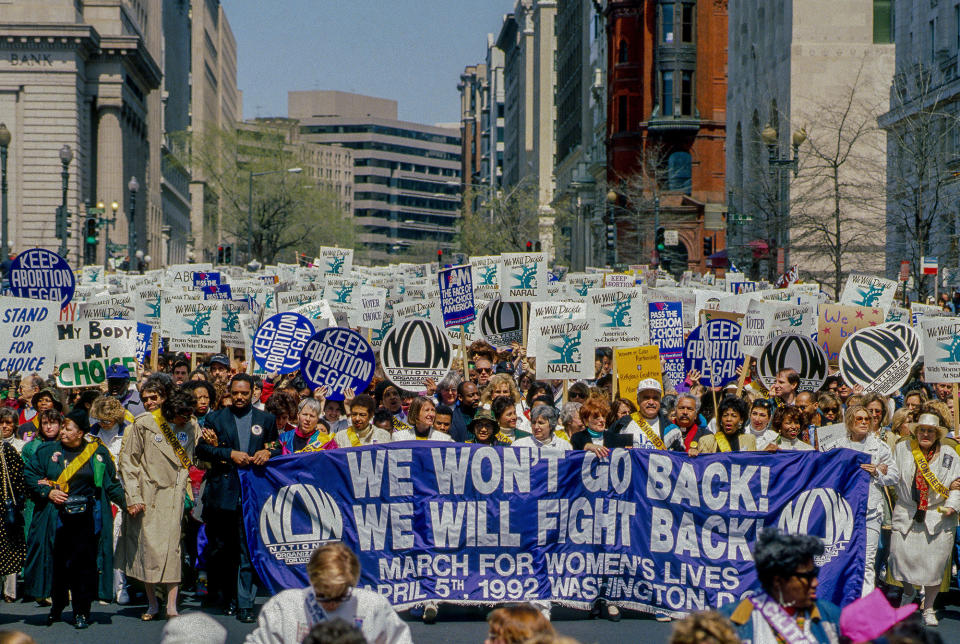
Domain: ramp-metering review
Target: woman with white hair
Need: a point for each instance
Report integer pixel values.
(543, 422)
(311, 433)
(925, 516)
(883, 471)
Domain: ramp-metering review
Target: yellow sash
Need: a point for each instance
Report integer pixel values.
(926, 472)
(354, 439)
(317, 445)
(647, 430)
(75, 465)
(171, 439)
(722, 443)
(559, 433)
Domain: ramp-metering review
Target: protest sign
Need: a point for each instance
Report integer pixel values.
(456, 295)
(40, 274)
(369, 313)
(619, 280)
(107, 307)
(342, 293)
(192, 324)
(713, 349)
(28, 335)
(940, 338)
(868, 290)
(414, 350)
(472, 524)
(544, 313)
(338, 359)
(919, 311)
(279, 341)
(318, 312)
(837, 322)
(336, 261)
(565, 350)
(523, 277)
(909, 335)
(666, 331)
(879, 358)
(217, 292)
(829, 437)
(181, 275)
(757, 324)
(486, 274)
(898, 314)
(471, 331)
(502, 323)
(231, 332)
(144, 335)
(146, 306)
(92, 275)
(619, 317)
(203, 278)
(636, 364)
(422, 309)
(797, 352)
(85, 350)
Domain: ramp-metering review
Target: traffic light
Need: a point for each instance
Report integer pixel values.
(219, 254)
(440, 256)
(707, 246)
(228, 254)
(538, 246)
(90, 234)
(529, 246)
(611, 235)
(660, 243)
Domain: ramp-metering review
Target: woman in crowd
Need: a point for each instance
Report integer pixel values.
(883, 471)
(570, 420)
(504, 409)
(502, 385)
(543, 421)
(914, 399)
(788, 423)
(73, 482)
(447, 389)
(420, 415)
(593, 415)
(879, 409)
(154, 467)
(206, 396)
(517, 624)
(623, 407)
(361, 430)
(484, 429)
(829, 408)
(311, 434)
(13, 548)
(50, 422)
(732, 412)
(283, 405)
(759, 425)
(42, 400)
(925, 516)
(8, 428)
(900, 425)
(335, 414)
(538, 388)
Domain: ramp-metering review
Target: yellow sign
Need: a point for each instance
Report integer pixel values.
(634, 365)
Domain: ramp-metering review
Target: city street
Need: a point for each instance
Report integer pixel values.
(454, 626)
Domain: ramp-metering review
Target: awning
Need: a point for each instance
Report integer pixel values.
(718, 260)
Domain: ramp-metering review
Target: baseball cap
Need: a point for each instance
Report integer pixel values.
(649, 383)
(871, 616)
(118, 370)
(219, 358)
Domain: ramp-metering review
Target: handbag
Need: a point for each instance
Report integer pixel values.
(11, 515)
(76, 504)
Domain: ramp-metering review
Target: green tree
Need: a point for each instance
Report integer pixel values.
(291, 212)
(503, 223)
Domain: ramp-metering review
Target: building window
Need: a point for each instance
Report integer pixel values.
(882, 21)
(932, 29)
(686, 93)
(623, 52)
(622, 120)
(666, 93)
(666, 22)
(680, 172)
(686, 23)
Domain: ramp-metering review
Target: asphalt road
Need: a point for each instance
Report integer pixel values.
(455, 626)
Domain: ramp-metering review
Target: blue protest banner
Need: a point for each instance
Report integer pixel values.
(456, 295)
(713, 349)
(338, 358)
(280, 340)
(144, 334)
(217, 292)
(40, 274)
(203, 279)
(666, 331)
(472, 524)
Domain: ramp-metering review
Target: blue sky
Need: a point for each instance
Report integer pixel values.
(411, 51)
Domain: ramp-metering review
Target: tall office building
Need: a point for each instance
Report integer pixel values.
(406, 195)
(474, 95)
(491, 120)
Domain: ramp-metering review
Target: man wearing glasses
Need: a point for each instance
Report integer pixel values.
(483, 369)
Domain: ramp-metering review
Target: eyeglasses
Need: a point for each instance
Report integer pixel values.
(576, 394)
(830, 410)
(808, 576)
(342, 598)
(764, 404)
(484, 370)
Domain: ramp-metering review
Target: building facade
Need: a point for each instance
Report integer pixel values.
(666, 123)
(474, 94)
(81, 75)
(491, 120)
(796, 65)
(923, 143)
(407, 184)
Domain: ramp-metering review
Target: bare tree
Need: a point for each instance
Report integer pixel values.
(638, 204)
(503, 223)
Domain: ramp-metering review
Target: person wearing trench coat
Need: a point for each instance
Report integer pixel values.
(156, 479)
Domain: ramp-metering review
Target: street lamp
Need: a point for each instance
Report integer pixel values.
(133, 186)
(139, 265)
(66, 156)
(5, 139)
(250, 204)
(776, 164)
(114, 206)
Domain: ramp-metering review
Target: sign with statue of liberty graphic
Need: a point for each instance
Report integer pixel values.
(940, 337)
(523, 277)
(486, 276)
(620, 316)
(336, 261)
(231, 332)
(565, 350)
(192, 324)
(543, 314)
(342, 293)
(868, 290)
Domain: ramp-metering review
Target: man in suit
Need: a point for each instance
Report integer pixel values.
(238, 436)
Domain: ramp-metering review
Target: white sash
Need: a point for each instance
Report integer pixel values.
(780, 621)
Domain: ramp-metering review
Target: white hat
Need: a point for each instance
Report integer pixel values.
(649, 383)
(930, 420)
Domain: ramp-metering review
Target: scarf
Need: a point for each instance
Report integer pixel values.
(594, 434)
(300, 434)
